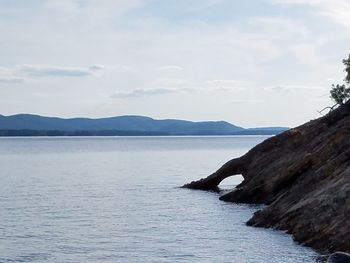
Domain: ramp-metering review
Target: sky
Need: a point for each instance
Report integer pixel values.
(253, 63)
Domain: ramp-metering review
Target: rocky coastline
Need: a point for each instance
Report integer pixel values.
(303, 178)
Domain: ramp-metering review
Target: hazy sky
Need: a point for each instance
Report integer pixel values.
(253, 63)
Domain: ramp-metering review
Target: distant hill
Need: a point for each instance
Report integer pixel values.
(261, 131)
(35, 125)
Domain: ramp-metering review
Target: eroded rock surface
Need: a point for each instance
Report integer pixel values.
(303, 176)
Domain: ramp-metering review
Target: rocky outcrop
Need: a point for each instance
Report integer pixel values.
(303, 176)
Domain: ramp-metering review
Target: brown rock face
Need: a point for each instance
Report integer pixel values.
(303, 176)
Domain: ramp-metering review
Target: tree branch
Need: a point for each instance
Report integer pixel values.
(330, 108)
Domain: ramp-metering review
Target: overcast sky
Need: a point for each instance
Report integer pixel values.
(252, 63)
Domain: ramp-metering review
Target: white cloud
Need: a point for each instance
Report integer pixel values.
(21, 73)
(201, 5)
(227, 84)
(245, 101)
(298, 2)
(171, 82)
(100, 9)
(295, 88)
(145, 92)
(170, 68)
(55, 71)
(337, 10)
(97, 67)
(11, 80)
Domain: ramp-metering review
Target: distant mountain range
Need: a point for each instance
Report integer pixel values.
(35, 125)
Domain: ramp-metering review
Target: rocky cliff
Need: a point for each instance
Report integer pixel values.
(303, 177)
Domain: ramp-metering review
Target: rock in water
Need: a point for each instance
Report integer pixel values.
(339, 257)
(303, 176)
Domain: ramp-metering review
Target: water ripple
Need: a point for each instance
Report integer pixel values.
(117, 200)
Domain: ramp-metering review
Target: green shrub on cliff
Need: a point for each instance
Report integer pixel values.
(346, 62)
(341, 93)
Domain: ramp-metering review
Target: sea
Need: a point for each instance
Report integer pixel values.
(118, 199)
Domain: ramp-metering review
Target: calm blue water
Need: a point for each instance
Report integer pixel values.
(117, 200)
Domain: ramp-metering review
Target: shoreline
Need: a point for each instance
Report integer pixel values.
(302, 177)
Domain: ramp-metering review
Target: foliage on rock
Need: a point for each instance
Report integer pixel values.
(341, 93)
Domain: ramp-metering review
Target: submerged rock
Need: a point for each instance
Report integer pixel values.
(303, 176)
(339, 257)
